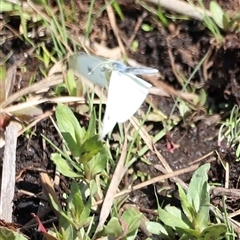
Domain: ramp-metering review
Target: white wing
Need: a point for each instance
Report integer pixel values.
(89, 67)
(126, 94)
(113, 101)
(134, 94)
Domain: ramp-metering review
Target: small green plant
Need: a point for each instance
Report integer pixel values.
(210, 23)
(199, 100)
(77, 222)
(134, 45)
(46, 57)
(9, 234)
(88, 156)
(230, 132)
(222, 19)
(3, 76)
(158, 14)
(6, 6)
(82, 159)
(147, 27)
(192, 222)
(93, 16)
(118, 10)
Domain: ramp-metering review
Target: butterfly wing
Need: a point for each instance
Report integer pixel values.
(126, 94)
(89, 67)
(113, 103)
(134, 94)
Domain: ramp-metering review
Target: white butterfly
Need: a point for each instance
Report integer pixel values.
(126, 92)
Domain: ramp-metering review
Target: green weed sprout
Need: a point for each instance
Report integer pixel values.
(230, 131)
(192, 221)
(211, 25)
(84, 160)
(88, 154)
(222, 19)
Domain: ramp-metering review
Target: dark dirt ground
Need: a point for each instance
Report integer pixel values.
(188, 41)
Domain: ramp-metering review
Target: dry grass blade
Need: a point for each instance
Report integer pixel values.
(165, 90)
(29, 104)
(158, 179)
(48, 189)
(142, 132)
(143, 220)
(6, 84)
(8, 172)
(34, 122)
(112, 189)
(45, 83)
(147, 139)
(168, 168)
(136, 28)
(155, 180)
(112, 20)
(182, 8)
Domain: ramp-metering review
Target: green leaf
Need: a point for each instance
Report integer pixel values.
(61, 212)
(162, 17)
(3, 74)
(135, 45)
(238, 152)
(93, 187)
(227, 24)
(170, 219)
(118, 10)
(217, 13)
(203, 97)
(75, 202)
(146, 27)
(71, 83)
(155, 228)
(98, 163)
(202, 217)
(7, 7)
(79, 210)
(90, 148)
(91, 126)
(179, 214)
(66, 229)
(196, 188)
(216, 232)
(113, 229)
(186, 206)
(70, 128)
(85, 213)
(133, 220)
(8, 234)
(63, 167)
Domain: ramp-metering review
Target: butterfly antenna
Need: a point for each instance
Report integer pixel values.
(104, 67)
(91, 70)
